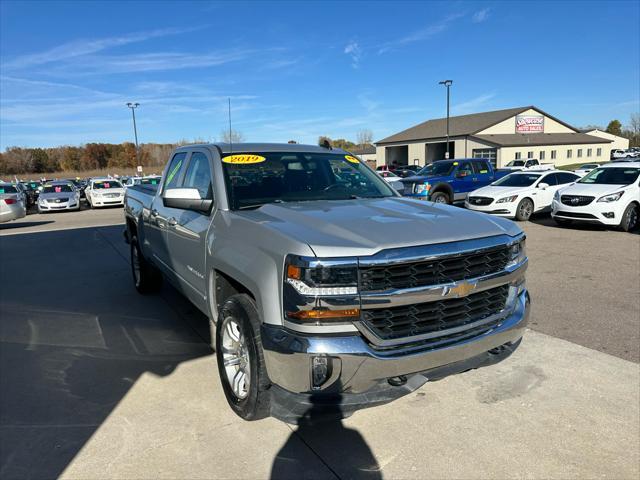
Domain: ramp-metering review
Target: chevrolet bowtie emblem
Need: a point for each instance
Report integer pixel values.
(460, 290)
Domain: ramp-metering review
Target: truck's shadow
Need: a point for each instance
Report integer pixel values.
(74, 338)
(322, 430)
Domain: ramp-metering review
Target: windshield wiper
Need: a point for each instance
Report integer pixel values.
(258, 205)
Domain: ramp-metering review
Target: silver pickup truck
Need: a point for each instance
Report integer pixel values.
(324, 287)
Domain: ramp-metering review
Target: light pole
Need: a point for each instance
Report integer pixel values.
(133, 107)
(447, 83)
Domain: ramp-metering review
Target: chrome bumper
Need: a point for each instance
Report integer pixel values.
(357, 367)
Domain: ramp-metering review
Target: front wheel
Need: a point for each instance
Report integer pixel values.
(440, 197)
(524, 210)
(240, 358)
(629, 219)
(146, 277)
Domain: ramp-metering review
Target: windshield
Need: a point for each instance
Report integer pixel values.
(8, 189)
(258, 178)
(517, 180)
(516, 163)
(107, 184)
(611, 176)
(437, 169)
(588, 165)
(57, 189)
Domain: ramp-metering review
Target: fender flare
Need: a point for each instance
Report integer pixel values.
(442, 187)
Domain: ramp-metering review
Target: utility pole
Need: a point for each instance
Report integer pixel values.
(447, 83)
(133, 107)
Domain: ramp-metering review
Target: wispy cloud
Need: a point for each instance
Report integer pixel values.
(481, 15)
(355, 52)
(422, 34)
(471, 106)
(80, 48)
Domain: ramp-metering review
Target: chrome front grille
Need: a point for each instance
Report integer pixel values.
(576, 200)
(440, 270)
(450, 318)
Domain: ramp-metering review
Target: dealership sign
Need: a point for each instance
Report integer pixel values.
(529, 123)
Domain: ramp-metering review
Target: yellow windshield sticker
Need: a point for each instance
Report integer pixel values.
(455, 164)
(243, 159)
(351, 159)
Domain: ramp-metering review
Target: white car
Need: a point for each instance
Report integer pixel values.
(104, 192)
(608, 195)
(617, 153)
(528, 164)
(12, 206)
(56, 196)
(392, 179)
(519, 194)
(582, 170)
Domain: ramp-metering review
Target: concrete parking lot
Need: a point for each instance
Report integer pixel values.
(97, 381)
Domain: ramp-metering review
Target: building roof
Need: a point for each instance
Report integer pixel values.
(534, 139)
(367, 150)
(461, 125)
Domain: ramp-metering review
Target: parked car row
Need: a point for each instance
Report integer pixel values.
(628, 153)
(16, 198)
(606, 194)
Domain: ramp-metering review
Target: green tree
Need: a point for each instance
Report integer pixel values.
(614, 127)
(40, 160)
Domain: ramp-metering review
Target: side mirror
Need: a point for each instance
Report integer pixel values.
(543, 186)
(186, 199)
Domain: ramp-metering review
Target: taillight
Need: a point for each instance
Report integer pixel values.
(10, 201)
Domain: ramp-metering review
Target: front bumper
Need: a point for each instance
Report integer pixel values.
(360, 375)
(505, 209)
(605, 213)
(107, 201)
(52, 207)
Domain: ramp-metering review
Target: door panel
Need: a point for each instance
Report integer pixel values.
(187, 229)
(465, 184)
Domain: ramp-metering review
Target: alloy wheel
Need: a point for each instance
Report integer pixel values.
(235, 354)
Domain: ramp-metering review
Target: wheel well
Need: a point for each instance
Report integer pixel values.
(443, 187)
(226, 286)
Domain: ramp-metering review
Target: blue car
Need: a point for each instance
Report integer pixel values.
(448, 181)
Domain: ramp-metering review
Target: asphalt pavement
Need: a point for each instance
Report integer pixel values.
(97, 381)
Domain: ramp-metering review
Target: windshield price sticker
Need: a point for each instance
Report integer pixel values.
(243, 159)
(351, 159)
(58, 189)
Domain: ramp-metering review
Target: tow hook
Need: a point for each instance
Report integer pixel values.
(397, 381)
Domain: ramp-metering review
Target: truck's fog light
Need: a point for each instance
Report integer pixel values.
(320, 371)
(608, 214)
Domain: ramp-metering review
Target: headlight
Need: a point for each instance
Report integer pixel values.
(556, 196)
(512, 198)
(422, 187)
(317, 291)
(517, 253)
(612, 197)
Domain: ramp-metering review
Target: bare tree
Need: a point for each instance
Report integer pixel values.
(364, 138)
(634, 123)
(232, 136)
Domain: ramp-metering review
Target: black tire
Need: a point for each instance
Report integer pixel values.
(242, 310)
(630, 217)
(147, 278)
(562, 222)
(440, 197)
(524, 210)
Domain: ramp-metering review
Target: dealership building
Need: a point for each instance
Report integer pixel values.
(501, 136)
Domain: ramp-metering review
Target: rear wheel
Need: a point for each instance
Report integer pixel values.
(440, 197)
(524, 210)
(146, 277)
(629, 219)
(240, 358)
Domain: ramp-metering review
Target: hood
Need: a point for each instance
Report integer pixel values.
(53, 195)
(591, 189)
(364, 227)
(499, 192)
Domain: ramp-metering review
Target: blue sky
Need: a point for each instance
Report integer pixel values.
(299, 70)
